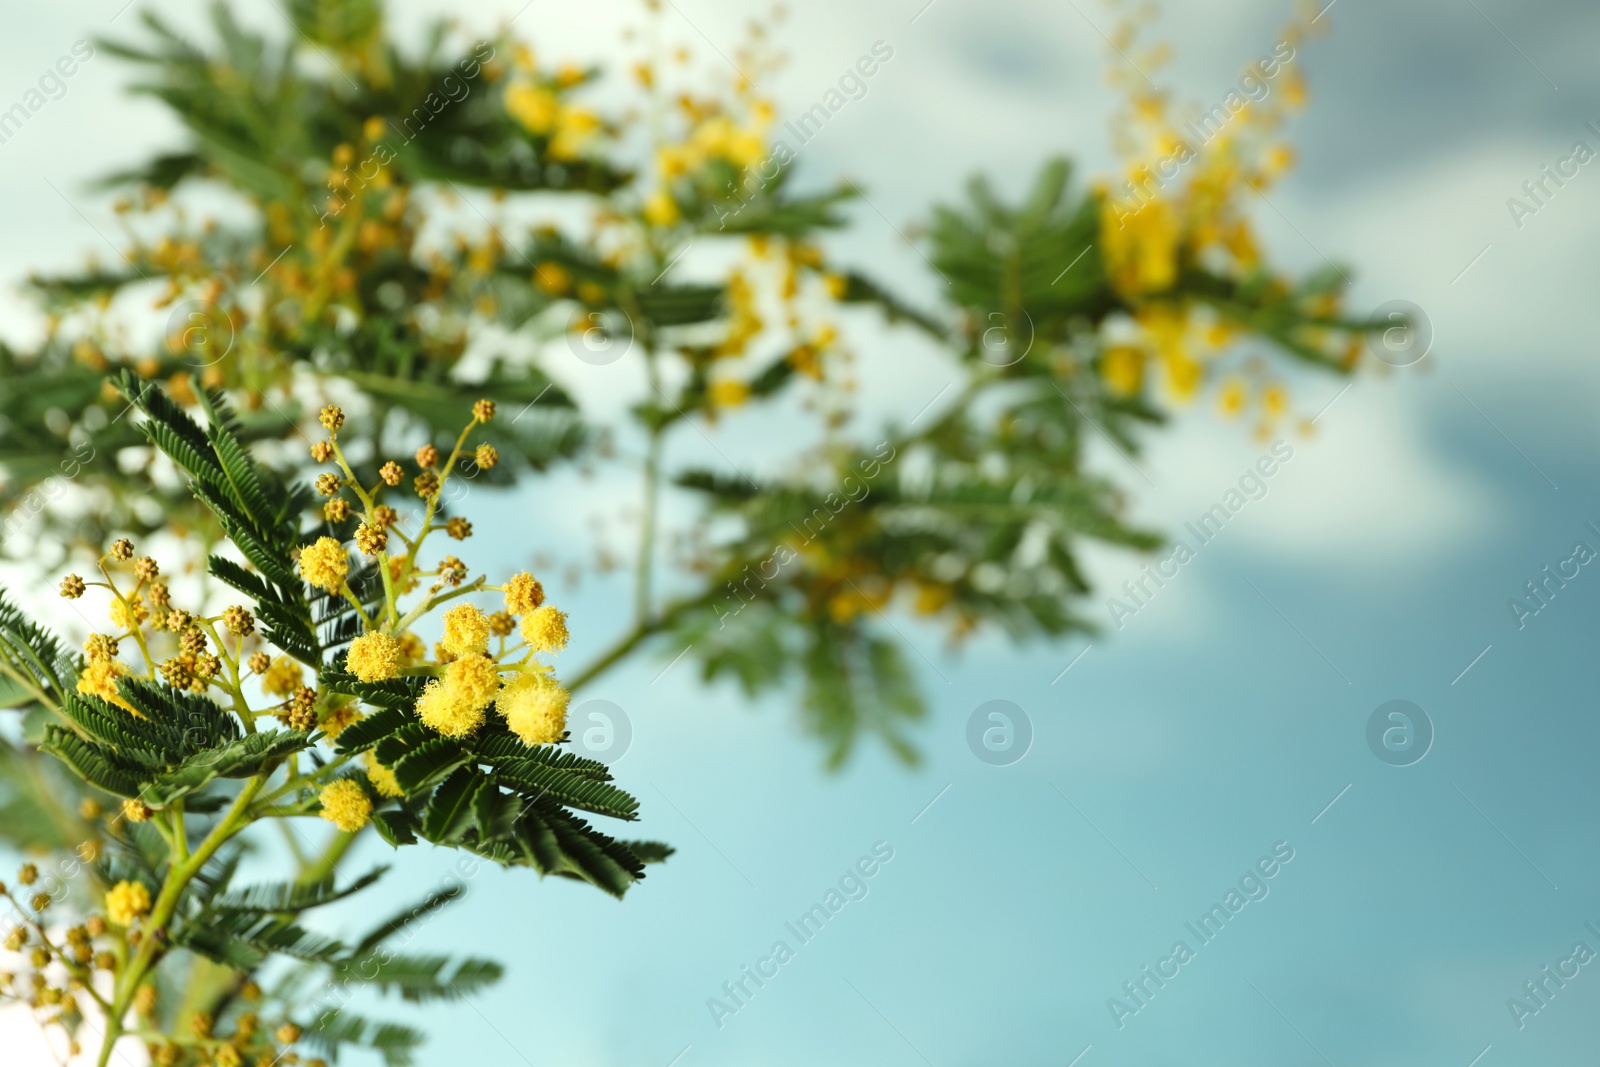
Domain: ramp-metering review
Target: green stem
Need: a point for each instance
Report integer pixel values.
(647, 529)
(431, 602)
(637, 636)
(324, 865)
(294, 844)
(179, 875)
(180, 837)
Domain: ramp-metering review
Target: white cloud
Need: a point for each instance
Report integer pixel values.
(1368, 490)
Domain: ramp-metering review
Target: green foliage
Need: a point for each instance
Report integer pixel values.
(335, 150)
(976, 525)
(195, 773)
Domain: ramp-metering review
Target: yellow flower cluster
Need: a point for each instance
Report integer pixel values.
(126, 902)
(1140, 246)
(325, 564)
(456, 702)
(534, 102)
(718, 137)
(535, 709)
(466, 629)
(99, 679)
(744, 320)
(382, 778)
(523, 593)
(718, 150)
(545, 629)
(467, 678)
(448, 713)
(374, 657)
(346, 805)
(1189, 184)
(282, 677)
(338, 718)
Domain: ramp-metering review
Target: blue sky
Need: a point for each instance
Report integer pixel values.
(1223, 718)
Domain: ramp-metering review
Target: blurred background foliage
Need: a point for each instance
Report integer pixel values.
(404, 227)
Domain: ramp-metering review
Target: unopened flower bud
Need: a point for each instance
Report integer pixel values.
(371, 539)
(303, 709)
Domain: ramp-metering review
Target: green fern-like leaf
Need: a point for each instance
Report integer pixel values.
(292, 897)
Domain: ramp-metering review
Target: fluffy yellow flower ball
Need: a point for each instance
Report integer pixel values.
(282, 678)
(126, 902)
(466, 629)
(660, 209)
(443, 709)
(374, 657)
(382, 778)
(534, 107)
(346, 805)
(535, 708)
(474, 679)
(523, 593)
(325, 564)
(334, 723)
(100, 679)
(127, 614)
(545, 629)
